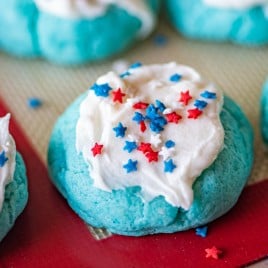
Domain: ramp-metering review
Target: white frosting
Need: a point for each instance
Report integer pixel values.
(7, 145)
(197, 141)
(95, 8)
(236, 4)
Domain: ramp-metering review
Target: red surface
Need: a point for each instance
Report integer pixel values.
(49, 234)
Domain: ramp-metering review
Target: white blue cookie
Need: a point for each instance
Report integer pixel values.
(13, 182)
(240, 21)
(264, 113)
(155, 150)
(72, 31)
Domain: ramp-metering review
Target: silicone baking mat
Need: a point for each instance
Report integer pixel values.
(49, 234)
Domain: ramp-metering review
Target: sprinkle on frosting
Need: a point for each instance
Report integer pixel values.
(213, 253)
(154, 124)
(3, 159)
(130, 146)
(120, 130)
(118, 95)
(169, 166)
(97, 149)
(131, 166)
(101, 90)
(175, 78)
(201, 231)
(185, 97)
(194, 113)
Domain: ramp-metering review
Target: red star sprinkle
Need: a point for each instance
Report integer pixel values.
(145, 147)
(118, 95)
(194, 113)
(213, 253)
(185, 97)
(142, 126)
(140, 105)
(97, 149)
(152, 156)
(173, 117)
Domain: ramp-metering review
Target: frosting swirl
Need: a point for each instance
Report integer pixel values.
(155, 126)
(75, 9)
(7, 157)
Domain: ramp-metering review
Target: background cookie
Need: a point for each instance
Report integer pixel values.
(213, 20)
(123, 211)
(35, 29)
(264, 113)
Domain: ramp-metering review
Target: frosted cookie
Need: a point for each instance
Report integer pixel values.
(74, 31)
(264, 113)
(240, 21)
(155, 150)
(13, 182)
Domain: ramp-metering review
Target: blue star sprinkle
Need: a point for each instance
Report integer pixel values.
(120, 130)
(175, 78)
(160, 40)
(138, 117)
(125, 74)
(200, 104)
(201, 231)
(3, 158)
(208, 95)
(130, 166)
(160, 105)
(130, 146)
(157, 121)
(169, 166)
(170, 144)
(135, 65)
(34, 103)
(101, 90)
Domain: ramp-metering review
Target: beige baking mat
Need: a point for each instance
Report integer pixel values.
(240, 71)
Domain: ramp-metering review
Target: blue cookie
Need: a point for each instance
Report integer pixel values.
(32, 32)
(123, 211)
(195, 19)
(16, 196)
(264, 112)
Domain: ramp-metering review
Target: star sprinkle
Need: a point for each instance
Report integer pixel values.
(3, 159)
(140, 105)
(213, 253)
(208, 95)
(152, 156)
(175, 78)
(173, 117)
(130, 166)
(96, 149)
(142, 126)
(101, 90)
(185, 97)
(34, 103)
(118, 95)
(169, 166)
(170, 144)
(194, 113)
(135, 65)
(200, 104)
(160, 105)
(145, 147)
(201, 231)
(138, 117)
(166, 153)
(125, 74)
(155, 140)
(130, 146)
(120, 130)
